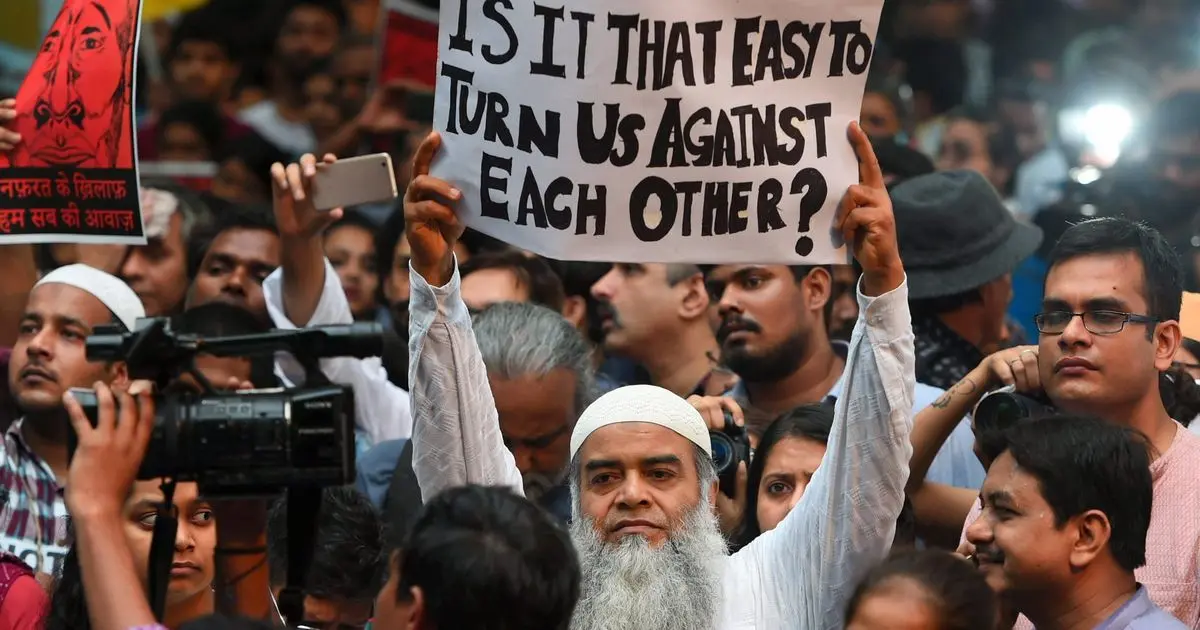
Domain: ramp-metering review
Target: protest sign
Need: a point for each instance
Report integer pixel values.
(672, 131)
(73, 177)
(410, 43)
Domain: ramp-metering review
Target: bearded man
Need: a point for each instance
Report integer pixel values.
(642, 479)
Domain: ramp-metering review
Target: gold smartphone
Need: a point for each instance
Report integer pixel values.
(354, 181)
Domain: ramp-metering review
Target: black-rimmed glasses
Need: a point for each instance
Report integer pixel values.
(1099, 322)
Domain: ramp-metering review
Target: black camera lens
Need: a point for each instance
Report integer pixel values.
(722, 451)
(1002, 410)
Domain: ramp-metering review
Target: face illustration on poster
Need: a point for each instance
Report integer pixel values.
(76, 93)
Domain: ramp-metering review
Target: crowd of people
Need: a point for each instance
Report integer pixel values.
(984, 422)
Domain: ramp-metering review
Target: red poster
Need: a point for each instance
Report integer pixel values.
(74, 176)
(410, 44)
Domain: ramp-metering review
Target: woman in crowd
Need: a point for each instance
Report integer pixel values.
(190, 592)
(926, 590)
(350, 248)
(789, 453)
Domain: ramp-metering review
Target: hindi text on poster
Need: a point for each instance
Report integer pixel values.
(619, 131)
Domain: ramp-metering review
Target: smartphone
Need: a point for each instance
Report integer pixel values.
(354, 181)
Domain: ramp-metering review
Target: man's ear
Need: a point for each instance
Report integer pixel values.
(416, 611)
(1092, 532)
(818, 286)
(1167, 339)
(695, 298)
(713, 490)
(574, 310)
(118, 373)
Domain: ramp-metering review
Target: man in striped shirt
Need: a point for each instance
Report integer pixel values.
(48, 359)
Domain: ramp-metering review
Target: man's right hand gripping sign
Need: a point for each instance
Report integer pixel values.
(799, 575)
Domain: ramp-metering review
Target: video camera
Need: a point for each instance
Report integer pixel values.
(730, 447)
(251, 443)
(245, 443)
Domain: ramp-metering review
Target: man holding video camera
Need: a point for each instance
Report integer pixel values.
(47, 360)
(1108, 329)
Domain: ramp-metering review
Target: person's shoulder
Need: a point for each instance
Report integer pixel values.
(1157, 619)
(1186, 445)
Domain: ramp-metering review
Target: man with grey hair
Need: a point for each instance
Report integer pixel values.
(657, 315)
(540, 371)
(159, 271)
(643, 481)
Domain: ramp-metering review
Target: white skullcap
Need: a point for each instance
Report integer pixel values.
(110, 290)
(642, 403)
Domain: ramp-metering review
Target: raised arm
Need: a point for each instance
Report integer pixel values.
(456, 430)
(940, 509)
(305, 291)
(805, 570)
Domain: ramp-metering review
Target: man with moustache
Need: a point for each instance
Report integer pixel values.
(1066, 509)
(657, 315)
(774, 337)
(47, 360)
(1108, 329)
(642, 480)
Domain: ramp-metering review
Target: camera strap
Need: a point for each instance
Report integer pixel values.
(303, 511)
(162, 549)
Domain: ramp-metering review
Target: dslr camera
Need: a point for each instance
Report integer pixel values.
(1002, 410)
(730, 447)
(252, 443)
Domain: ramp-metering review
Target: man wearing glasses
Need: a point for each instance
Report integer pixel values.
(1109, 327)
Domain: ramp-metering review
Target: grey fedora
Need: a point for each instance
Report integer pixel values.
(956, 234)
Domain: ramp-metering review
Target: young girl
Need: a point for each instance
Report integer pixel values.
(190, 592)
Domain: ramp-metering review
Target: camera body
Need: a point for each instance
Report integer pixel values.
(999, 412)
(250, 443)
(1005, 408)
(730, 447)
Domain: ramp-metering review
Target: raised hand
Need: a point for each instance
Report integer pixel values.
(295, 214)
(430, 222)
(8, 113)
(866, 221)
(1014, 366)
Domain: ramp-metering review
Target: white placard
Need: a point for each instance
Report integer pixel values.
(622, 131)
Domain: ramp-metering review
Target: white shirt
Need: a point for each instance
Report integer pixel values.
(799, 575)
(381, 409)
(295, 138)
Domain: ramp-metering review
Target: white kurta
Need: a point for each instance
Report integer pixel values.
(799, 575)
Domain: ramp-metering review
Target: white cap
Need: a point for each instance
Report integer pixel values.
(109, 289)
(642, 403)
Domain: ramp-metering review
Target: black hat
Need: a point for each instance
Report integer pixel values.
(956, 234)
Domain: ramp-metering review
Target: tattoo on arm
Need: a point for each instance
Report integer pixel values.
(965, 387)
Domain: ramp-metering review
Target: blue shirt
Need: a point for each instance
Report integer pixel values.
(1139, 613)
(955, 464)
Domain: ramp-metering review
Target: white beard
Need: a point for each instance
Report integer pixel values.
(631, 586)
